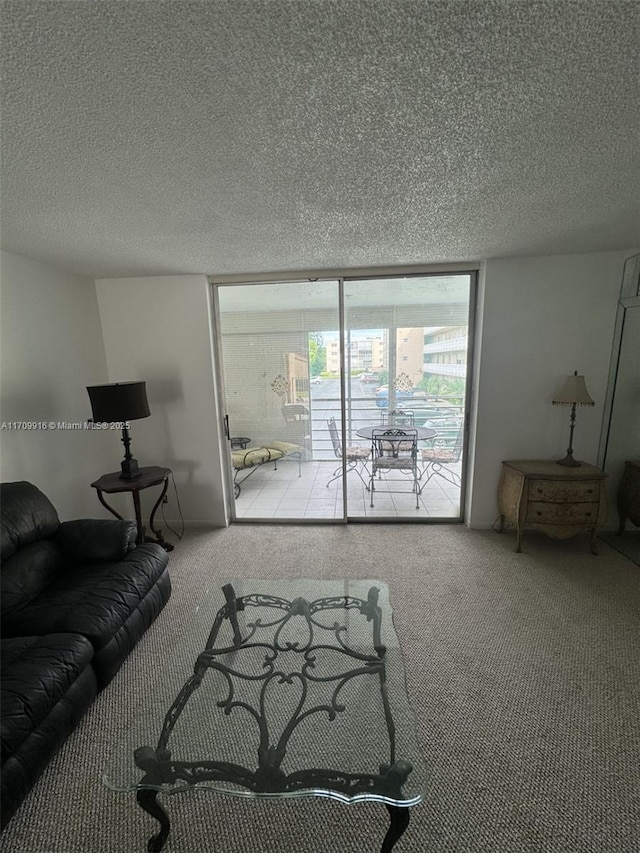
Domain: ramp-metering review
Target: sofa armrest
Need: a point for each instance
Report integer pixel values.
(96, 540)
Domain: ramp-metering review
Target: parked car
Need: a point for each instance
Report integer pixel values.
(447, 427)
(441, 416)
(434, 413)
(382, 395)
(315, 380)
(369, 378)
(434, 407)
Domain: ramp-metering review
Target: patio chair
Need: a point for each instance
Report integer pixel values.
(401, 418)
(356, 457)
(398, 417)
(394, 449)
(439, 459)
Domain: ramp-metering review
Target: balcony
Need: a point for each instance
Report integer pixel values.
(280, 494)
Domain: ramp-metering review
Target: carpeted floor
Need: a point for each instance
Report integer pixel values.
(627, 544)
(524, 671)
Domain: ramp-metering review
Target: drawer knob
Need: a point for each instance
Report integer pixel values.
(587, 514)
(589, 491)
(539, 491)
(538, 512)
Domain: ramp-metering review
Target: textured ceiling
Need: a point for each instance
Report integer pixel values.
(243, 136)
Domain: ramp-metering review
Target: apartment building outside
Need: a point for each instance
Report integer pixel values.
(365, 353)
(418, 352)
(445, 351)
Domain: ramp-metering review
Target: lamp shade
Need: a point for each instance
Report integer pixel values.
(574, 393)
(119, 402)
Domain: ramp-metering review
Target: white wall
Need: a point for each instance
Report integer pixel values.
(543, 318)
(51, 349)
(158, 330)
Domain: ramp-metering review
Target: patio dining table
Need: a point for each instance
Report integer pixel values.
(423, 433)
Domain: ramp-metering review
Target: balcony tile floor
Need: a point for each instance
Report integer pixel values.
(280, 493)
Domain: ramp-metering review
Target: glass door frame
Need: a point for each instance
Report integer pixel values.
(340, 281)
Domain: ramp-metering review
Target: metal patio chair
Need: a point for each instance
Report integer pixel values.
(401, 418)
(439, 459)
(395, 449)
(398, 417)
(356, 457)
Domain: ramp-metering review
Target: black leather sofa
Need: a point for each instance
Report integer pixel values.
(75, 599)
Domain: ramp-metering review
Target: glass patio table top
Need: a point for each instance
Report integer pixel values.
(278, 689)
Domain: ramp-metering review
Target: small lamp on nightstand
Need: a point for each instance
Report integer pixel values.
(573, 394)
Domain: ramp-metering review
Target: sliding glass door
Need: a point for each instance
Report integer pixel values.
(311, 371)
(278, 398)
(406, 363)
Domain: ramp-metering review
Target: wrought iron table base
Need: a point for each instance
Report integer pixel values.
(147, 800)
(160, 768)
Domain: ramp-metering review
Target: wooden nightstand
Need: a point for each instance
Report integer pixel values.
(538, 495)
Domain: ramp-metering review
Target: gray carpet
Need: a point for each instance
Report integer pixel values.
(627, 544)
(524, 671)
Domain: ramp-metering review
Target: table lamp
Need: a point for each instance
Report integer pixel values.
(573, 394)
(119, 403)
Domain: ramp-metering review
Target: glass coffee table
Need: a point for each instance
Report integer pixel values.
(279, 689)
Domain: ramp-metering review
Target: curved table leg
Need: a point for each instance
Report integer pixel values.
(159, 537)
(518, 539)
(399, 822)
(147, 800)
(106, 505)
(138, 513)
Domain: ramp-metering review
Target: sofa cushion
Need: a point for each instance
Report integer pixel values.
(31, 570)
(96, 540)
(283, 447)
(94, 600)
(241, 459)
(26, 515)
(37, 672)
(27, 574)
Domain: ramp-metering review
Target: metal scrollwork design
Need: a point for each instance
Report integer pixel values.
(309, 634)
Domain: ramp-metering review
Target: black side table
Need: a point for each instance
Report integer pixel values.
(152, 476)
(239, 442)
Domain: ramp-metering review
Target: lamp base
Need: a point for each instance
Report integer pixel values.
(569, 461)
(130, 469)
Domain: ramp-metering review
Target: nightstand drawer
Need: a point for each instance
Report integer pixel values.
(563, 492)
(579, 512)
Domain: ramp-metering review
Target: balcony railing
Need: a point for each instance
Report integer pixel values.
(445, 369)
(450, 345)
(363, 412)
